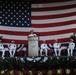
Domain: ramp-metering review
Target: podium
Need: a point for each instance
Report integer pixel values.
(33, 46)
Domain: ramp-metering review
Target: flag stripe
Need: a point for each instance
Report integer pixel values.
(41, 37)
(6, 41)
(50, 4)
(48, 1)
(53, 16)
(39, 33)
(65, 23)
(54, 8)
(55, 12)
(53, 20)
(47, 29)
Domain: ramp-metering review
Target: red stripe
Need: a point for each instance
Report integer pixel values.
(59, 40)
(54, 24)
(16, 41)
(14, 33)
(47, 1)
(42, 33)
(40, 41)
(54, 8)
(57, 32)
(53, 16)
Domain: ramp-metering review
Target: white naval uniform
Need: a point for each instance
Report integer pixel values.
(32, 35)
(57, 49)
(70, 49)
(2, 49)
(12, 50)
(43, 47)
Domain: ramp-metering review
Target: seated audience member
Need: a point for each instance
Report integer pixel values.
(43, 48)
(12, 48)
(32, 33)
(2, 48)
(71, 47)
(57, 48)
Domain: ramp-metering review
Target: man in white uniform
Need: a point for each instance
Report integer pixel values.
(57, 48)
(32, 33)
(2, 48)
(71, 47)
(12, 48)
(43, 48)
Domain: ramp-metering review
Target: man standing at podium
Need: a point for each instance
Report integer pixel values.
(32, 44)
(32, 33)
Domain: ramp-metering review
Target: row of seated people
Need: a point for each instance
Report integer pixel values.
(8, 50)
(48, 49)
(56, 49)
(11, 47)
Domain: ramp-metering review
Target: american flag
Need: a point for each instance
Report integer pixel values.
(49, 20)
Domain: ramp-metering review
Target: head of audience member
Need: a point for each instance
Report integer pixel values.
(32, 31)
(71, 40)
(44, 41)
(56, 40)
(12, 41)
(0, 41)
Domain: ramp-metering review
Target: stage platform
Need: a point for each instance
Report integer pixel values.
(51, 57)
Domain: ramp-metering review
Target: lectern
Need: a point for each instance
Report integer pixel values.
(33, 45)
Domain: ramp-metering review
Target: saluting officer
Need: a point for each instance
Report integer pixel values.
(71, 47)
(57, 48)
(43, 48)
(2, 48)
(12, 48)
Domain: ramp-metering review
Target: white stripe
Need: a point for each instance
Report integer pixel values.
(55, 12)
(55, 28)
(21, 29)
(41, 37)
(71, 26)
(61, 36)
(14, 37)
(53, 4)
(20, 47)
(46, 21)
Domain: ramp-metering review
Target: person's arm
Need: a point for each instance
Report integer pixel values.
(74, 45)
(69, 45)
(35, 35)
(59, 45)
